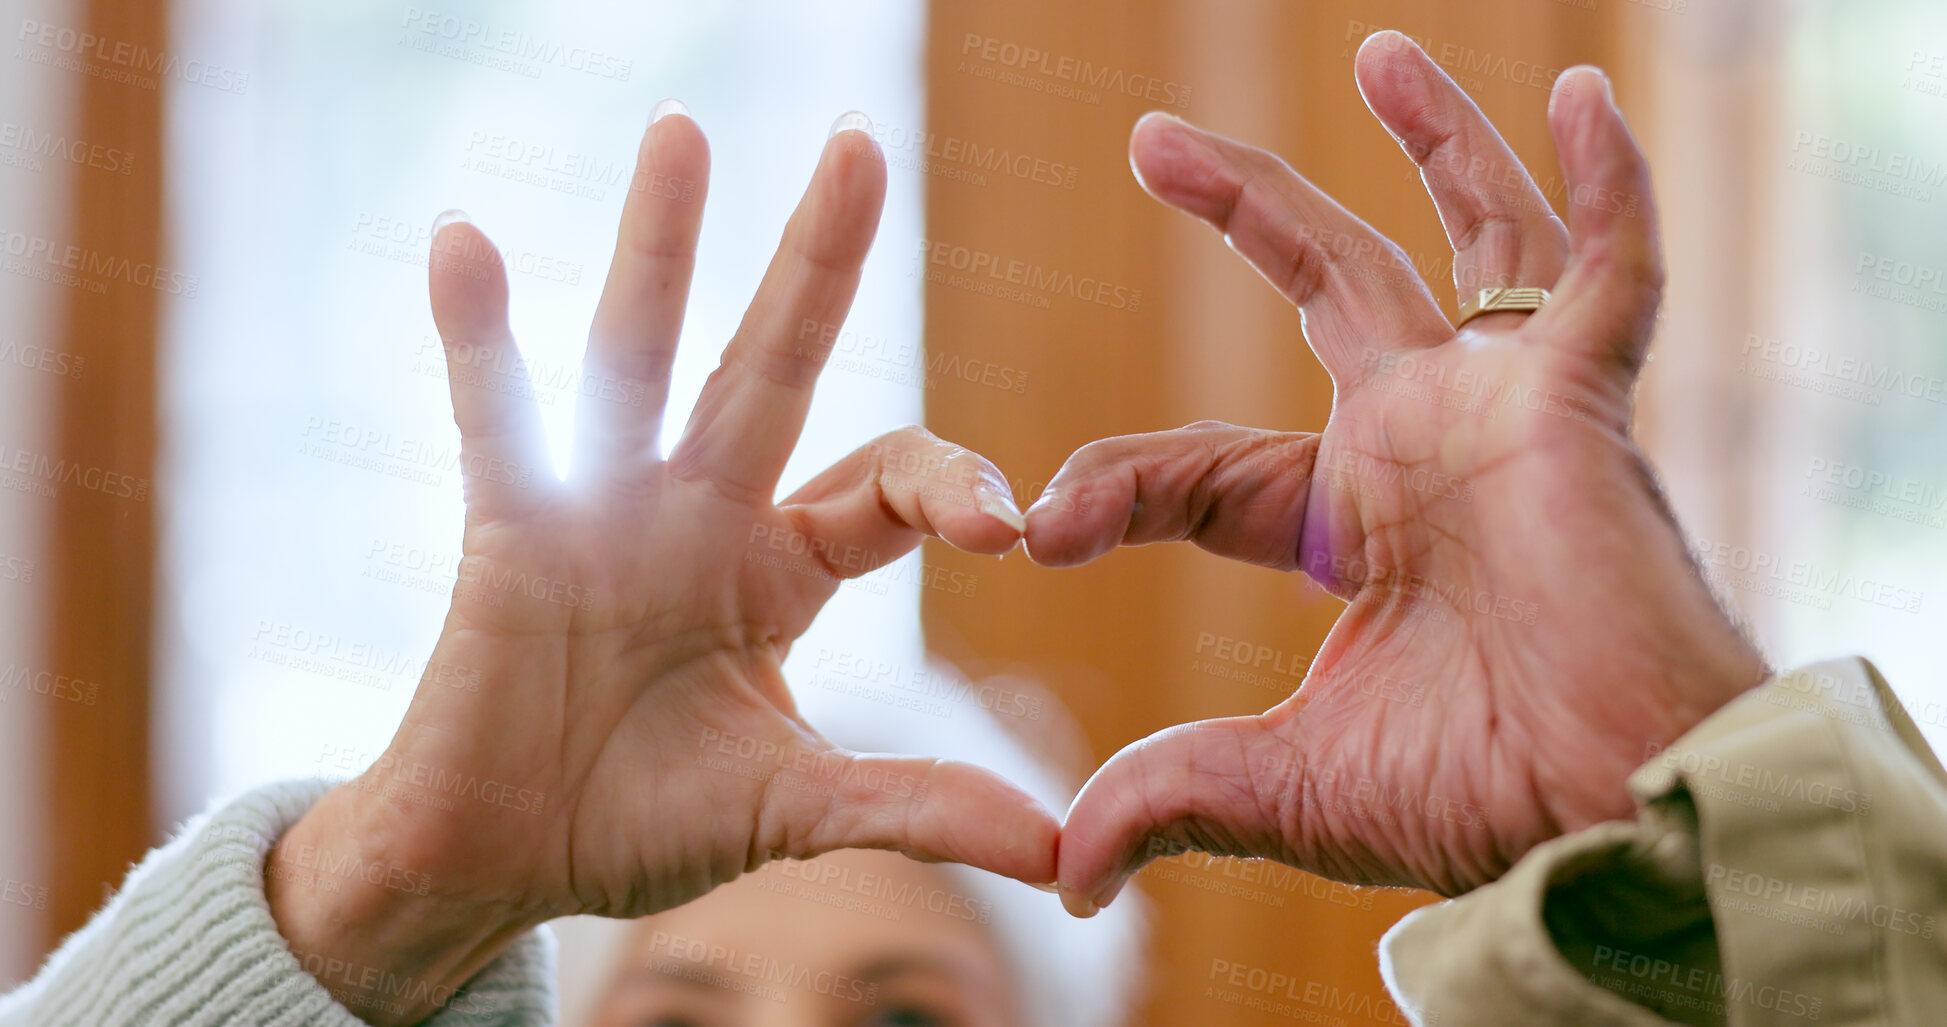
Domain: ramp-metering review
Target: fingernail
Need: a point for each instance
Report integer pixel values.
(1000, 507)
(851, 121)
(1608, 91)
(1049, 888)
(1392, 38)
(449, 217)
(666, 107)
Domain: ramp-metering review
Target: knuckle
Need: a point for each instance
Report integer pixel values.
(912, 435)
(1101, 451)
(1208, 425)
(1301, 274)
(901, 443)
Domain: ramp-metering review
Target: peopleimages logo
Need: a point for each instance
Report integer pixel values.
(1801, 581)
(1902, 281)
(65, 472)
(40, 358)
(888, 890)
(1760, 780)
(79, 152)
(21, 678)
(929, 152)
(769, 972)
(1429, 380)
(20, 893)
(1852, 163)
(868, 673)
(901, 362)
(981, 267)
(1848, 377)
(1017, 59)
(1839, 907)
(1467, 65)
(134, 62)
(28, 251)
(1272, 991)
(1657, 978)
(516, 44)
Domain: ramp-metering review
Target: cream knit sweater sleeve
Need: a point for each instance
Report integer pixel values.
(189, 941)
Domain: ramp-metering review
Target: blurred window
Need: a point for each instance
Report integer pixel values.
(314, 509)
(1849, 358)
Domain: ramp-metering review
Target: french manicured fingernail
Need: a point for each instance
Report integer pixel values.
(1601, 76)
(1000, 507)
(449, 217)
(1392, 39)
(851, 121)
(666, 107)
(1608, 89)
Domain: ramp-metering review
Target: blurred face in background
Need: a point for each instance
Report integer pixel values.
(853, 939)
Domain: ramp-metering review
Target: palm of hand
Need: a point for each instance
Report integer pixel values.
(661, 643)
(1523, 617)
(630, 623)
(1484, 691)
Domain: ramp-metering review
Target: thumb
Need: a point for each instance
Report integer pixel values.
(933, 810)
(1212, 785)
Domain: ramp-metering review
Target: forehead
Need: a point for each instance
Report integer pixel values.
(845, 912)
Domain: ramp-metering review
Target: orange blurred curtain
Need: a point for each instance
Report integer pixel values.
(102, 541)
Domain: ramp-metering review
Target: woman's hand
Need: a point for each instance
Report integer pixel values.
(1525, 619)
(604, 727)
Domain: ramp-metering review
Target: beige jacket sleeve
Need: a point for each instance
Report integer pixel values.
(1788, 865)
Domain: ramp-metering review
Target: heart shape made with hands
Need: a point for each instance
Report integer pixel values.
(625, 629)
(1524, 619)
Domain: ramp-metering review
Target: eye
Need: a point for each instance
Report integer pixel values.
(906, 1015)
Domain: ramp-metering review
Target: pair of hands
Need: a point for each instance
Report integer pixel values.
(620, 635)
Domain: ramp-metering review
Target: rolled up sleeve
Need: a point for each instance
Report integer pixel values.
(1788, 865)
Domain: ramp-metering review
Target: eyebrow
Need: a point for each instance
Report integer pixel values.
(909, 963)
(700, 977)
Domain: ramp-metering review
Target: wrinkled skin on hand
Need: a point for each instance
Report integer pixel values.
(1524, 619)
(619, 635)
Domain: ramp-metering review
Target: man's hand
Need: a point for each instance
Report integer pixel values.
(603, 727)
(1525, 619)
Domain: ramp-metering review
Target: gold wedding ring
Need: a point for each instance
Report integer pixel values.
(1495, 301)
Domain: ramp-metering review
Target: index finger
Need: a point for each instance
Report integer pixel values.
(1240, 493)
(1359, 291)
(753, 408)
(1502, 229)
